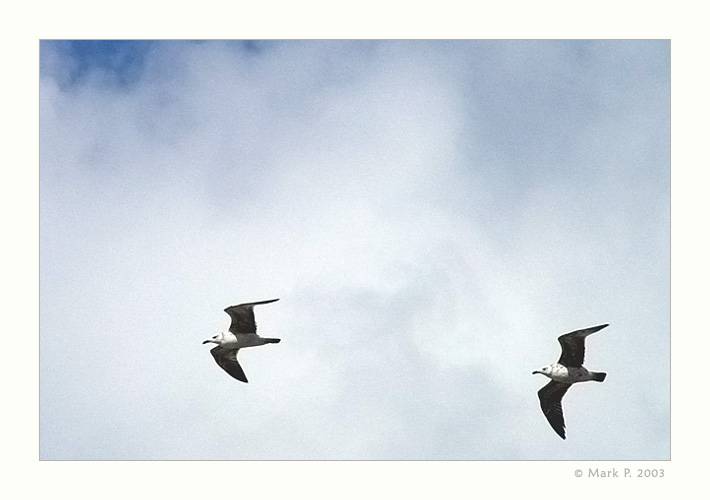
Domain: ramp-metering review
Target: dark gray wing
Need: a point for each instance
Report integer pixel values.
(551, 404)
(573, 346)
(243, 316)
(227, 359)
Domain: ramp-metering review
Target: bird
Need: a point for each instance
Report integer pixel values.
(567, 371)
(241, 333)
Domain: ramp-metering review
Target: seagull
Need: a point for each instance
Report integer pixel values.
(567, 371)
(242, 333)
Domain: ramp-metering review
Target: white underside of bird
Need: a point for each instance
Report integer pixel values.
(567, 375)
(239, 341)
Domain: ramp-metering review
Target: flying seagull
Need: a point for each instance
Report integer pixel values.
(242, 333)
(567, 371)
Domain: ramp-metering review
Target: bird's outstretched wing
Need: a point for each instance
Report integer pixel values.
(573, 346)
(227, 359)
(243, 316)
(551, 404)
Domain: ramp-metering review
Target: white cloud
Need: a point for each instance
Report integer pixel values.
(428, 247)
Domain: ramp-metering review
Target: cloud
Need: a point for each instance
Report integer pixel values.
(432, 215)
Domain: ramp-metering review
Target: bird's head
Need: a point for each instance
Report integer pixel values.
(545, 370)
(217, 339)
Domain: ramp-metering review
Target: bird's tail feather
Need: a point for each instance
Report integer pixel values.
(599, 376)
(272, 341)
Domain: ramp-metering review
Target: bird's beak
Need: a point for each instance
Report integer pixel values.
(537, 372)
(206, 342)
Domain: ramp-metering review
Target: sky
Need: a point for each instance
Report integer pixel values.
(431, 214)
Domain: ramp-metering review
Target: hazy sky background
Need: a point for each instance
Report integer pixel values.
(433, 215)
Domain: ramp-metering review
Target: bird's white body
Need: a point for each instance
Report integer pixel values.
(567, 375)
(239, 340)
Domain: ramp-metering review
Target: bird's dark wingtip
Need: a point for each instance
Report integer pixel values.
(250, 304)
(597, 328)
